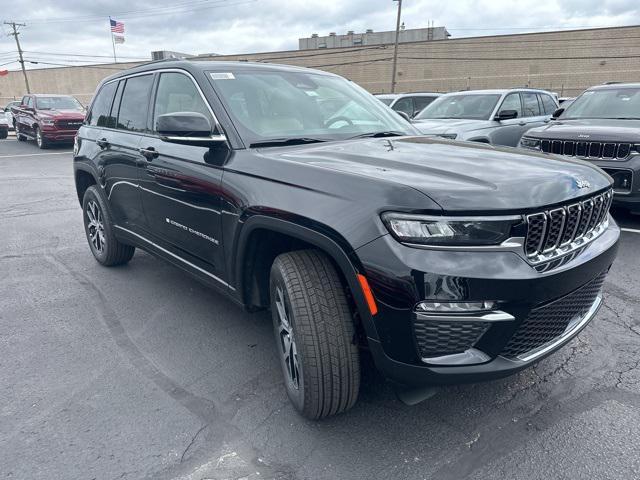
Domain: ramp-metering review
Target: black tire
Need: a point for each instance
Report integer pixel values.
(322, 333)
(40, 140)
(4, 134)
(19, 136)
(106, 249)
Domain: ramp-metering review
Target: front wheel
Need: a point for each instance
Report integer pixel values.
(98, 226)
(314, 333)
(40, 140)
(19, 136)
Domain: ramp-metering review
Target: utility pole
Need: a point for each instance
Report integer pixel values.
(395, 49)
(15, 34)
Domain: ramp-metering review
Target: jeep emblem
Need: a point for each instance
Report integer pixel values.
(580, 183)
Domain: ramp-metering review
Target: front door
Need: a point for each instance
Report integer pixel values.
(509, 131)
(180, 190)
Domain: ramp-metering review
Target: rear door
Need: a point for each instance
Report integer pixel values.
(119, 160)
(180, 183)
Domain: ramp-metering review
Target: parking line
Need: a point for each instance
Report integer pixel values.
(632, 230)
(36, 154)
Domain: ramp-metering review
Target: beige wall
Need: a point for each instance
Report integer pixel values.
(545, 60)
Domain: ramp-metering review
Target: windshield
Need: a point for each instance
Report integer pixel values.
(608, 103)
(57, 103)
(281, 105)
(472, 107)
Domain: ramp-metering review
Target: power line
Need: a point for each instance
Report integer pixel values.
(59, 54)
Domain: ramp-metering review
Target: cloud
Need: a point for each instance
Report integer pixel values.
(243, 26)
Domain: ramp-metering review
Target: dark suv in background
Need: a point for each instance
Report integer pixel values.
(296, 190)
(602, 126)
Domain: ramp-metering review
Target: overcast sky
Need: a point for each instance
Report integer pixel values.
(242, 26)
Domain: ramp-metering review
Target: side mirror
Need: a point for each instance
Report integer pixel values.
(557, 113)
(187, 128)
(506, 115)
(404, 115)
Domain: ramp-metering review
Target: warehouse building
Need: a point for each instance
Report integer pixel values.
(566, 62)
(351, 39)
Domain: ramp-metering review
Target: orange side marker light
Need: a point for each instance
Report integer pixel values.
(371, 302)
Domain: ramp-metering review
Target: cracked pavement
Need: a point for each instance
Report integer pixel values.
(141, 372)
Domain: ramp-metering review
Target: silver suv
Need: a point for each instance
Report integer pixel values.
(498, 117)
(409, 103)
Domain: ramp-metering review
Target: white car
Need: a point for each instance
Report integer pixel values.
(409, 103)
(498, 117)
(8, 114)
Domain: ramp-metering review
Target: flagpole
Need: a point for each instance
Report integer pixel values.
(113, 43)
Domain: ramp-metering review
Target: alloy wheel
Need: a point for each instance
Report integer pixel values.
(39, 138)
(287, 340)
(95, 227)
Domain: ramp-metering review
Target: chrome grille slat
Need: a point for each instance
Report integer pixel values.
(554, 236)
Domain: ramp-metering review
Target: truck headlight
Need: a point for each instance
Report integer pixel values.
(449, 231)
(47, 121)
(531, 143)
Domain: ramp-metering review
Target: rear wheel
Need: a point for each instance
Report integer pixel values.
(314, 333)
(19, 136)
(4, 134)
(98, 226)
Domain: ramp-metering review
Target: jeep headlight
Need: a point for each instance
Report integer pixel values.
(532, 143)
(449, 231)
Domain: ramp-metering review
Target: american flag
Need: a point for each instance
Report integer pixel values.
(116, 27)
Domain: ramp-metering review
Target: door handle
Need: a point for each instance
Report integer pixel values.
(522, 124)
(102, 143)
(149, 153)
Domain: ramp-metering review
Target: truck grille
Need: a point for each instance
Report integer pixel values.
(587, 149)
(68, 124)
(551, 231)
(547, 323)
(438, 338)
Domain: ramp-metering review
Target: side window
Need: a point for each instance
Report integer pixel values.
(29, 102)
(404, 105)
(420, 102)
(24, 101)
(134, 105)
(112, 121)
(530, 102)
(177, 93)
(512, 102)
(101, 106)
(548, 104)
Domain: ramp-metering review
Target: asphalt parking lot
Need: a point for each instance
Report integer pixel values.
(141, 372)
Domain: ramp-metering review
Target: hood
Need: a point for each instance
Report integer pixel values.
(64, 114)
(590, 130)
(448, 125)
(459, 176)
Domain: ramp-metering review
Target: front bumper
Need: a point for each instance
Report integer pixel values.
(401, 276)
(57, 135)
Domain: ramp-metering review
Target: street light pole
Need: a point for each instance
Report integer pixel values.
(15, 34)
(395, 49)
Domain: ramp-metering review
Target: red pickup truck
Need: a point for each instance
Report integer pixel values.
(48, 118)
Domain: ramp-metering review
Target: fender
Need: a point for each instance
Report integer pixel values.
(347, 261)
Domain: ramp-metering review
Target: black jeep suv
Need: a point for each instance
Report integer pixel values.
(603, 126)
(296, 190)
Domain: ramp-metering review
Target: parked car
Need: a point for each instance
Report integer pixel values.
(448, 261)
(9, 115)
(409, 103)
(603, 126)
(498, 117)
(4, 128)
(563, 100)
(48, 118)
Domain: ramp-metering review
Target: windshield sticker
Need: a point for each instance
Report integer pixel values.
(222, 76)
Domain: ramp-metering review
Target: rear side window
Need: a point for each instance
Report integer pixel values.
(548, 104)
(420, 102)
(135, 104)
(101, 107)
(512, 102)
(404, 105)
(530, 102)
(177, 93)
